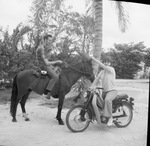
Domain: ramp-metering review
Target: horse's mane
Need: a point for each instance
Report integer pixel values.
(74, 59)
(71, 61)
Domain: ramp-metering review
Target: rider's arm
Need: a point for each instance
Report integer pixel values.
(46, 61)
(52, 62)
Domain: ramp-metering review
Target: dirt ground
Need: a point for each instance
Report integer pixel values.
(43, 129)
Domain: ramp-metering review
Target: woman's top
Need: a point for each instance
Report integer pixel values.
(108, 79)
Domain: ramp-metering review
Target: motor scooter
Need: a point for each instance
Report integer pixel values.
(80, 116)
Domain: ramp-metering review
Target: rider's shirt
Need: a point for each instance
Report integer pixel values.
(108, 79)
(39, 57)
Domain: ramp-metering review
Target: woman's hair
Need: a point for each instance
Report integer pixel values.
(105, 57)
(47, 36)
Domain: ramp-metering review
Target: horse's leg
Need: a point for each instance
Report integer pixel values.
(22, 103)
(21, 92)
(60, 104)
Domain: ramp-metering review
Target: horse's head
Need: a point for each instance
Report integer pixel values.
(87, 68)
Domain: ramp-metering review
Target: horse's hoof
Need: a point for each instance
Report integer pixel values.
(14, 120)
(27, 119)
(61, 122)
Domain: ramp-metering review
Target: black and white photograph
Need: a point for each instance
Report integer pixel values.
(74, 72)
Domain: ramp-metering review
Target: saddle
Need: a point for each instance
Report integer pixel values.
(41, 80)
(43, 73)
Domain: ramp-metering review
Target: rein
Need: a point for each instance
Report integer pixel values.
(76, 69)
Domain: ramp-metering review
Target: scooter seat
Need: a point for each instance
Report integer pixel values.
(119, 98)
(122, 96)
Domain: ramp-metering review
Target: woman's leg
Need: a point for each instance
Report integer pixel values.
(110, 96)
(97, 113)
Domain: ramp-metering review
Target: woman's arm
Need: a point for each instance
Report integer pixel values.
(96, 81)
(101, 64)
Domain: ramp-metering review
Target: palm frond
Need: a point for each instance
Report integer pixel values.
(18, 32)
(123, 16)
(38, 9)
(89, 8)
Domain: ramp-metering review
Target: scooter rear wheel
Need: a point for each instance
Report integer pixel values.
(75, 122)
(123, 115)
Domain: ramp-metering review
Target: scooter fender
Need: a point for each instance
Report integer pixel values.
(90, 109)
(131, 99)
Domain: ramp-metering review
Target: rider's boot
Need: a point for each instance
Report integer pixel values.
(47, 95)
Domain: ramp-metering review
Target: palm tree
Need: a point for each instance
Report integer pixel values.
(40, 10)
(97, 6)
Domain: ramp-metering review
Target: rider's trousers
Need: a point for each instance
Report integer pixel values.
(109, 97)
(53, 80)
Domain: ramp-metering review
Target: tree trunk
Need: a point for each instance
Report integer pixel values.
(98, 7)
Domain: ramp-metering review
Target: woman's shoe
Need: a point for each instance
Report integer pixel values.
(104, 119)
(110, 122)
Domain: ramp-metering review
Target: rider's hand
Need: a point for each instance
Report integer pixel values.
(59, 61)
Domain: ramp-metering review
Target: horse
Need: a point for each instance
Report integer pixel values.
(30, 80)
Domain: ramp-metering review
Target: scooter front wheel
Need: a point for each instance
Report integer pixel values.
(75, 120)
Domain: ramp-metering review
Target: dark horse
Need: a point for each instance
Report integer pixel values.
(29, 80)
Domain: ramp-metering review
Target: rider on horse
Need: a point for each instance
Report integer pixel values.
(44, 63)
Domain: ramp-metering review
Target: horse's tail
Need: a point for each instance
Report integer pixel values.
(13, 104)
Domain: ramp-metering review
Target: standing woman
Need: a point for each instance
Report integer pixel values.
(45, 64)
(107, 77)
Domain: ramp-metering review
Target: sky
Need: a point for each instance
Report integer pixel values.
(12, 12)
